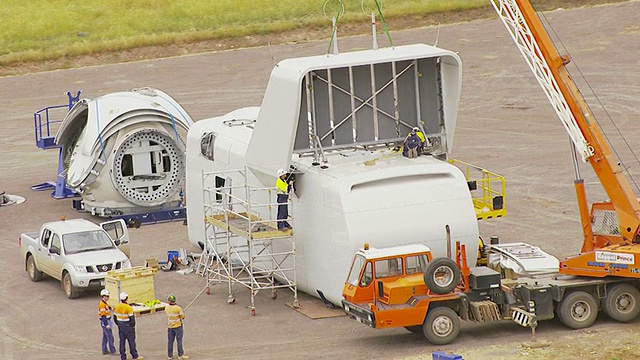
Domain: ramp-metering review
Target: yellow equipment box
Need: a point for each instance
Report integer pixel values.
(137, 281)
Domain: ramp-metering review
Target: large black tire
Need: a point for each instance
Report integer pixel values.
(621, 302)
(441, 326)
(442, 275)
(578, 310)
(32, 269)
(69, 290)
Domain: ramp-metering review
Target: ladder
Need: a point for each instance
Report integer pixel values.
(243, 245)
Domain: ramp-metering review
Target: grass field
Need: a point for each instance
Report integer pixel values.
(32, 31)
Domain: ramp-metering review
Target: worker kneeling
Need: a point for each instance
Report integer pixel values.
(413, 143)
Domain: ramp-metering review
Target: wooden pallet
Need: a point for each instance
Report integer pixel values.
(239, 225)
(142, 310)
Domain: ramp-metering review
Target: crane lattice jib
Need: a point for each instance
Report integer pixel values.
(521, 34)
(549, 69)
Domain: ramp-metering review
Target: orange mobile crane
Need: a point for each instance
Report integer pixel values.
(614, 252)
(405, 286)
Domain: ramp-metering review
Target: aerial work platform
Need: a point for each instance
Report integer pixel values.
(243, 244)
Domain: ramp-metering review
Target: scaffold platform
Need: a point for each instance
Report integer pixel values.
(244, 245)
(239, 225)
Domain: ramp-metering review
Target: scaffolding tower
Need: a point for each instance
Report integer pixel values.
(243, 244)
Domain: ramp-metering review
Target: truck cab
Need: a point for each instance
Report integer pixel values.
(388, 288)
(380, 271)
(405, 286)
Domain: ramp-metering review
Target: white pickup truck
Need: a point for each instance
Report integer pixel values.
(77, 252)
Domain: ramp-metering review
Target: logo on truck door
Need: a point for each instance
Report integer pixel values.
(615, 258)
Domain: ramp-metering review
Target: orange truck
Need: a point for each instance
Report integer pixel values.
(404, 286)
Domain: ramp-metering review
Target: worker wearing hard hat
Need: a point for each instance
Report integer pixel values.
(104, 313)
(413, 143)
(126, 321)
(420, 134)
(284, 186)
(175, 316)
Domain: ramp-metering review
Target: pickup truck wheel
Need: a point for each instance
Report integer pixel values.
(32, 269)
(621, 302)
(578, 310)
(442, 275)
(68, 287)
(441, 326)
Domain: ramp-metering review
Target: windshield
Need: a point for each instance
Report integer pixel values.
(356, 269)
(86, 241)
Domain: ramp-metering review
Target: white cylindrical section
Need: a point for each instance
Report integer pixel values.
(373, 29)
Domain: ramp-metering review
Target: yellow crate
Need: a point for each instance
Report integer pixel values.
(132, 272)
(138, 282)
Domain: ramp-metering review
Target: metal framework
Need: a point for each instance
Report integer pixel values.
(513, 19)
(550, 70)
(335, 110)
(244, 245)
(45, 140)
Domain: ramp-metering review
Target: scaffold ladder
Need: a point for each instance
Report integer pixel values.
(244, 245)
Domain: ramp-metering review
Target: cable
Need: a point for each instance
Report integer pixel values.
(384, 23)
(197, 296)
(623, 166)
(339, 14)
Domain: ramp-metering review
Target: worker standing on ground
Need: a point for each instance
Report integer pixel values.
(126, 321)
(176, 330)
(283, 188)
(104, 313)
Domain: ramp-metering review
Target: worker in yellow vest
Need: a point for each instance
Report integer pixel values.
(126, 321)
(283, 187)
(175, 331)
(414, 143)
(104, 313)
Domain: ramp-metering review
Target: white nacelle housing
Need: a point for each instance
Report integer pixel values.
(334, 121)
(124, 152)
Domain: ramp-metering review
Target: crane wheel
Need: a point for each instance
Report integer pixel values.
(578, 310)
(621, 302)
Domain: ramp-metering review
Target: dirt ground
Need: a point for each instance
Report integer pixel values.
(505, 124)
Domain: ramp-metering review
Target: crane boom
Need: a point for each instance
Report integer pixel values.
(549, 69)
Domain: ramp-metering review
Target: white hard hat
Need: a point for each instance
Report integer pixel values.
(281, 172)
(104, 292)
(124, 296)
(415, 128)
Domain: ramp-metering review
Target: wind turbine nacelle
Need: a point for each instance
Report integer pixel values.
(334, 121)
(124, 152)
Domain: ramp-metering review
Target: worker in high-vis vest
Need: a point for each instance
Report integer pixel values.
(126, 321)
(414, 143)
(420, 134)
(283, 188)
(176, 330)
(104, 313)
